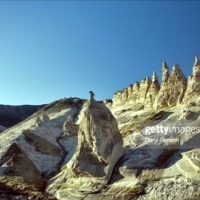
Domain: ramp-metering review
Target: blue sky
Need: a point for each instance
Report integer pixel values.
(55, 49)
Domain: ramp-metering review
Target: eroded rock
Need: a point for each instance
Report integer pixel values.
(19, 174)
(193, 88)
(100, 146)
(172, 88)
(153, 91)
(144, 87)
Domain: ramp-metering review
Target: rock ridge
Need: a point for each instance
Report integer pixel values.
(174, 88)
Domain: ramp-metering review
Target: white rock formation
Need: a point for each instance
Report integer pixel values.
(172, 88)
(152, 91)
(75, 147)
(100, 146)
(144, 87)
(193, 88)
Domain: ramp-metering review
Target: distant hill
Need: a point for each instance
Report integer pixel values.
(11, 115)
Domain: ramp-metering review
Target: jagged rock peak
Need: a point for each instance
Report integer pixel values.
(130, 86)
(136, 84)
(177, 72)
(196, 67)
(193, 85)
(176, 67)
(155, 82)
(154, 77)
(164, 66)
(197, 61)
(165, 72)
(147, 80)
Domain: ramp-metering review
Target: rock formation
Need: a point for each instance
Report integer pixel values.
(70, 128)
(91, 96)
(120, 96)
(19, 174)
(163, 96)
(99, 148)
(193, 87)
(144, 87)
(72, 148)
(178, 82)
(172, 88)
(133, 93)
(153, 91)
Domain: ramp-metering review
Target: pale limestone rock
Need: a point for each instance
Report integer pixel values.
(120, 97)
(117, 97)
(130, 90)
(100, 146)
(124, 95)
(193, 88)
(178, 82)
(165, 73)
(19, 172)
(172, 88)
(153, 91)
(70, 128)
(163, 96)
(144, 87)
(41, 144)
(132, 96)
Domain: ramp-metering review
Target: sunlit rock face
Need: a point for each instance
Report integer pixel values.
(121, 96)
(153, 91)
(100, 146)
(144, 87)
(133, 92)
(117, 99)
(172, 88)
(163, 96)
(193, 88)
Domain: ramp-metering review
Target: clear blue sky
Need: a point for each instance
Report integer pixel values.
(55, 49)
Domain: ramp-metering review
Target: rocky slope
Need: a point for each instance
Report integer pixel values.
(145, 145)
